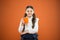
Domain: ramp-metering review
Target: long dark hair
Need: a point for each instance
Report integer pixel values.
(33, 19)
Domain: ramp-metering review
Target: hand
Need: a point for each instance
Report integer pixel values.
(24, 21)
(24, 32)
(27, 31)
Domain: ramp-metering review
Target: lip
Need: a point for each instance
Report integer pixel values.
(29, 13)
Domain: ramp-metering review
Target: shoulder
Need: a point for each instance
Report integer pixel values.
(37, 19)
(21, 19)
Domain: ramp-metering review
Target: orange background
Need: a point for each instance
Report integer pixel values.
(45, 10)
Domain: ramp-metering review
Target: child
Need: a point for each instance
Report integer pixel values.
(29, 25)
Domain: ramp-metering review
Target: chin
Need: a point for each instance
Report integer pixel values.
(29, 16)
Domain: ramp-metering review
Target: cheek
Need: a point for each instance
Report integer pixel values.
(29, 13)
(32, 12)
(26, 12)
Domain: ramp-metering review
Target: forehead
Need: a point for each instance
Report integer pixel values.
(29, 9)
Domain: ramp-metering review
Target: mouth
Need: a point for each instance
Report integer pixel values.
(29, 13)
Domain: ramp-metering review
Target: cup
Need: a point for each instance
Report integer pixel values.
(25, 20)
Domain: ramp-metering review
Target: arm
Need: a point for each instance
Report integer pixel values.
(20, 26)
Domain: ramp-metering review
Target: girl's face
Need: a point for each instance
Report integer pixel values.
(29, 12)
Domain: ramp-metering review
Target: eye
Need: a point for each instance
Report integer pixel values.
(28, 11)
(31, 11)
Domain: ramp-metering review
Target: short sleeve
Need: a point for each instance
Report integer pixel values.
(20, 26)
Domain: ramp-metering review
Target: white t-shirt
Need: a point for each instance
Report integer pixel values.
(29, 26)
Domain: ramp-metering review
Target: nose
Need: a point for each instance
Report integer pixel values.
(29, 13)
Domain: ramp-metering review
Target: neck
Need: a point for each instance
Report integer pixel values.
(29, 16)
